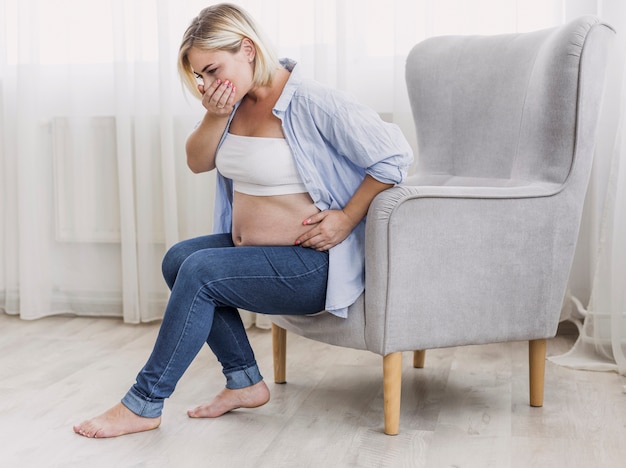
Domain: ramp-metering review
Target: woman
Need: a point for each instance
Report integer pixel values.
(298, 165)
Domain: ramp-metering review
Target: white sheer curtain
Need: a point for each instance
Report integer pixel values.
(596, 301)
(94, 185)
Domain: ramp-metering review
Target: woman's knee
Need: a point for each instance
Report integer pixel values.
(179, 253)
(172, 261)
(197, 269)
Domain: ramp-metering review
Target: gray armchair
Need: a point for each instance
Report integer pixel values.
(476, 247)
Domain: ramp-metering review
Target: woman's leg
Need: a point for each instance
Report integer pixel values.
(299, 289)
(244, 384)
(179, 252)
(227, 324)
(265, 279)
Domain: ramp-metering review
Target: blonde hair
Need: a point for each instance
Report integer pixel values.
(224, 27)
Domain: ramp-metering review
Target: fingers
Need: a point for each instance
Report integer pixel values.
(328, 228)
(316, 218)
(222, 94)
(305, 239)
(219, 97)
(311, 239)
(317, 238)
(317, 242)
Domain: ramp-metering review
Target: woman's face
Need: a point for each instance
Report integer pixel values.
(211, 65)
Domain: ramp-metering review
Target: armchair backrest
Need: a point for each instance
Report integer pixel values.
(506, 106)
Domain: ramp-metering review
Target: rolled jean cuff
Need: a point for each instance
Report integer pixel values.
(243, 378)
(141, 405)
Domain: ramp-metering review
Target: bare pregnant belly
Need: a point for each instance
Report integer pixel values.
(272, 220)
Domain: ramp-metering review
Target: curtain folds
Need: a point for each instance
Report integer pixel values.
(600, 265)
(93, 120)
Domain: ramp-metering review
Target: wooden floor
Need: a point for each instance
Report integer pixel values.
(467, 408)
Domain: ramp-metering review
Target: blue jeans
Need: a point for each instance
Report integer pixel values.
(209, 280)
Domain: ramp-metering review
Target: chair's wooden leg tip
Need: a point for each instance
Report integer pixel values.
(419, 358)
(537, 371)
(280, 383)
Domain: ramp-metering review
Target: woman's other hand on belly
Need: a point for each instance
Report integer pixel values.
(327, 229)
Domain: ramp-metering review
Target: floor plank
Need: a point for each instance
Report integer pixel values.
(468, 407)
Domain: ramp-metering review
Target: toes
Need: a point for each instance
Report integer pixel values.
(78, 429)
(85, 430)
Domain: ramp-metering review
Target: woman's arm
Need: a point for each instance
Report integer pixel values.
(202, 143)
(331, 227)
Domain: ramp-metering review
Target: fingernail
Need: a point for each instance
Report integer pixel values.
(219, 81)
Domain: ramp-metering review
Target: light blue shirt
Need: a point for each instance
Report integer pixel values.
(335, 142)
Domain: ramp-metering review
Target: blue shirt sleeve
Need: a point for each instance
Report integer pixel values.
(358, 133)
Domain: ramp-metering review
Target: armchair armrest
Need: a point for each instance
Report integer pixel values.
(475, 187)
(453, 251)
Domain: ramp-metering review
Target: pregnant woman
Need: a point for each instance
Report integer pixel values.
(298, 165)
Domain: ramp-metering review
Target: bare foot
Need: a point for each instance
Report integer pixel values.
(228, 400)
(117, 421)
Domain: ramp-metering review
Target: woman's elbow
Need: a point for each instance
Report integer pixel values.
(196, 162)
(198, 167)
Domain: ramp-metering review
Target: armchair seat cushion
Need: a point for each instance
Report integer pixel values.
(328, 328)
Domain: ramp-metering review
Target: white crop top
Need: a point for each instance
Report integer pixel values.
(259, 166)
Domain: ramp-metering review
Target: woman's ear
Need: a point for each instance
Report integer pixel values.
(248, 48)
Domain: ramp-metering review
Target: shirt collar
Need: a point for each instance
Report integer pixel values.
(294, 81)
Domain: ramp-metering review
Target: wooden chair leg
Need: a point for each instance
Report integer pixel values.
(537, 370)
(419, 357)
(279, 349)
(392, 386)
